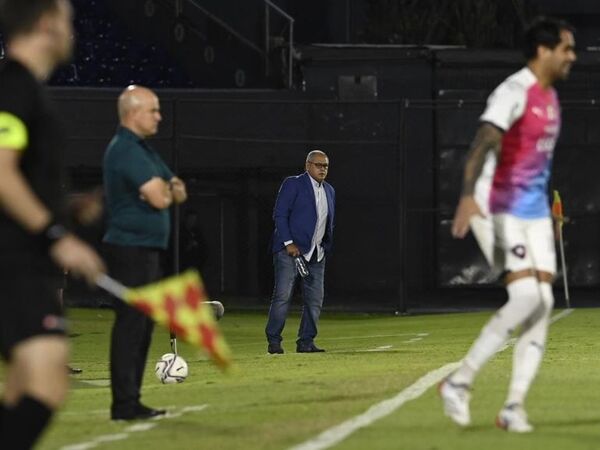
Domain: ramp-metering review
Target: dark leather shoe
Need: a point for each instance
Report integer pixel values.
(150, 412)
(309, 348)
(275, 349)
(141, 412)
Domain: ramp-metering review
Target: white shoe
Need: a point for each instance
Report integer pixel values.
(513, 418)
(456, 401)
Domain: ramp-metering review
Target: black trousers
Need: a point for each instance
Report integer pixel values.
(132, 330)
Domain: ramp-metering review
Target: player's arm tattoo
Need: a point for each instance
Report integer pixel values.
(488, 138)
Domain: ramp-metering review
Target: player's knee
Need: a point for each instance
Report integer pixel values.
(41, 363)
(524, 295)
(524, 299)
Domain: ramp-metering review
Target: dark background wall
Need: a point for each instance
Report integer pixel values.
(234, 152)
(387, 88)
(395, 163)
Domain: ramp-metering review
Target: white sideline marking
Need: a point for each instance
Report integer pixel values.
(342, 338)
(382, 348)
(373, 336)
(508, 343)
(135, 428)
(93, 412)
(560, 315)
(97, 383)
(416, 338)
(338, 433)
(140, 427)
(187, 409)
(338, 338)
(97, 412)
(111, 437)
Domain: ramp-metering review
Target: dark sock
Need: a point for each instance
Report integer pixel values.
(23, 423)
(1, 415)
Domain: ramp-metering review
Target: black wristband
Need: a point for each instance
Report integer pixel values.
(53, 232)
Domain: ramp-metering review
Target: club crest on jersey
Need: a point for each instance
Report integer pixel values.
(519, 251)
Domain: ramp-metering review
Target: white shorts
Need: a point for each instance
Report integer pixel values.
(512, 244)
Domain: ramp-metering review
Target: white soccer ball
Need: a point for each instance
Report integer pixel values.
(171, 369)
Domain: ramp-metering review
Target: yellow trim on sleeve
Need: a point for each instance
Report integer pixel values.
(13, 132)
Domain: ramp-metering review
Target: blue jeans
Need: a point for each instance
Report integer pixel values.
(312, 297)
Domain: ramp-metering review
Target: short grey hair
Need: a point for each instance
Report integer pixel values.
(314, 153)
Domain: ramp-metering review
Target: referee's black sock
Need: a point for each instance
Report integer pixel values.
(23, 423)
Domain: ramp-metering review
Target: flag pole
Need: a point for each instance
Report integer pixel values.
(111, 286)
(118, 290)
(564, 265)
(178, 303)
(557, 213)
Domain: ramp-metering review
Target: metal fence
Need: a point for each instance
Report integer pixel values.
(396, 167)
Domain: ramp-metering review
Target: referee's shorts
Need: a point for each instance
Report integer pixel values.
(29, 306)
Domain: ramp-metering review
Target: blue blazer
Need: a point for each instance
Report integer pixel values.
(295, 214)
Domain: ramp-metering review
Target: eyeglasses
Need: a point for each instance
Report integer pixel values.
(320, 165)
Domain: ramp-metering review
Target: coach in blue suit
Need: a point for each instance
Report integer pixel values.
(303, 215)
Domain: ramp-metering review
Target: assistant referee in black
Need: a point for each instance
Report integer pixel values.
(139, 189)
(34, 242)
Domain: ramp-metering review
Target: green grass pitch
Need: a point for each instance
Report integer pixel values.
(277, 402)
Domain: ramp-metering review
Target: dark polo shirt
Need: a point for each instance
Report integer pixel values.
(129, 162)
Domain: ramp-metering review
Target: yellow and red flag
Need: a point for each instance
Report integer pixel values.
(557, 209)
(178, 303)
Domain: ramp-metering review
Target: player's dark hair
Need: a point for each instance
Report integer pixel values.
(544, 31)
(20, 16)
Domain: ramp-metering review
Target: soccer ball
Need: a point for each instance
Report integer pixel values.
(171, 369)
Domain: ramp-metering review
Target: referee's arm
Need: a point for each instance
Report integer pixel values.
(16, 197)
(22, 205)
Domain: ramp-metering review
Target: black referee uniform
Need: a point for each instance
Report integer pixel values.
(28, 278)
